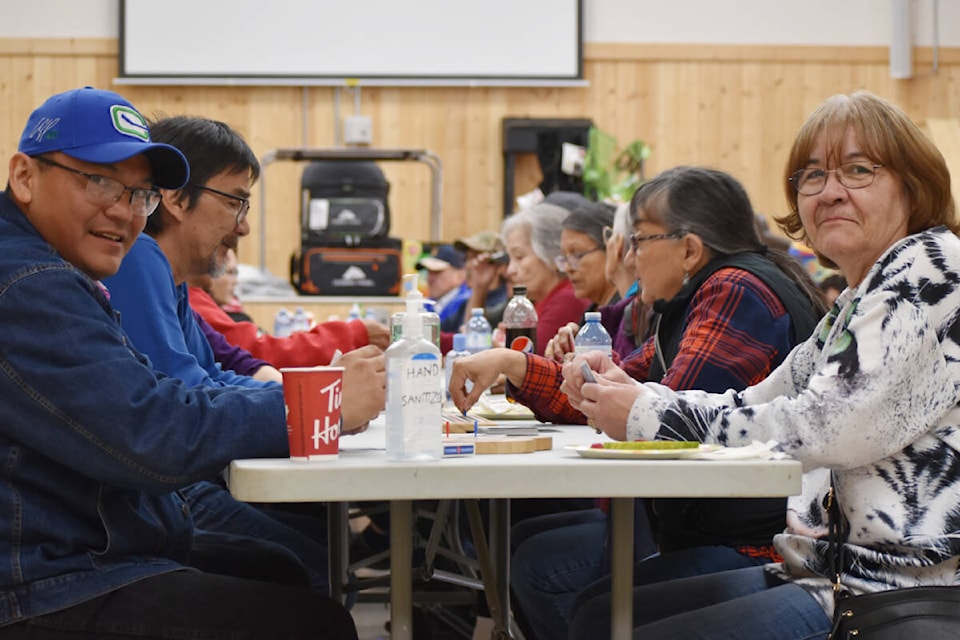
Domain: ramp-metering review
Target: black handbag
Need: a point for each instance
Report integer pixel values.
(919, 613)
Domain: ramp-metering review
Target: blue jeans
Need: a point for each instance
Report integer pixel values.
(214, 510)
(743, 604)
(554, 557)
(187, 605)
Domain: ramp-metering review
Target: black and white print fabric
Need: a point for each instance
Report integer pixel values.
(873, 395)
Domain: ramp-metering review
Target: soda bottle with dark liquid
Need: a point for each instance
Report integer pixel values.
(520, 324)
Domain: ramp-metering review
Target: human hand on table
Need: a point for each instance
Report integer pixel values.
(606, 402)
(364, 387)
(560, 345)
(483, 369)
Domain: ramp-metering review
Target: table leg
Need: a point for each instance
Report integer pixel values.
(621, 560)
(500, 554)
(401, 570)
(339, 547)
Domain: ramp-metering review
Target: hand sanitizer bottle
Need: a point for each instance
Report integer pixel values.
(414, 391)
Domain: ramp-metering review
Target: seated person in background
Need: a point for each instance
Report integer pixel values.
(189, 234)
(302, 349)
(832, 286)
(486, 264)
(233, 358)
(630, 317)
(98, 444)
(532, 239)
(627, 320)
(869, 398)
(728, 311)
(223, 289)
(446, 285)
(583, 254)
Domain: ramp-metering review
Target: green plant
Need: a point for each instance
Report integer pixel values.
(611, 175)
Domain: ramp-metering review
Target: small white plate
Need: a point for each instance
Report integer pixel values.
(642, 454)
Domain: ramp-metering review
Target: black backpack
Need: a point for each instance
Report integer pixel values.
(343, 198)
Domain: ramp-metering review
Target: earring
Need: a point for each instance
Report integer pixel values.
(686, 278)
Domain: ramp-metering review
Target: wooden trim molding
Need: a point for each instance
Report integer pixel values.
(59, 47)
(612, 51)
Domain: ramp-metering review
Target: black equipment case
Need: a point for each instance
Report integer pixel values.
(343, 198)
(348, 267)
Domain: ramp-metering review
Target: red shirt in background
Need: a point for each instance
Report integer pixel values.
(306, 349)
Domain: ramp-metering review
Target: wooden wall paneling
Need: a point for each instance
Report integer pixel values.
(736, 108)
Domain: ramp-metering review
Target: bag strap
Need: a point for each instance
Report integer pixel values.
(835, 553)
(834, 519)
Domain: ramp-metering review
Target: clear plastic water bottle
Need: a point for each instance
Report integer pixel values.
(459, 351)
(479, 333)
(300, 322)
(593, 336)
(354, 312)
(282, 323)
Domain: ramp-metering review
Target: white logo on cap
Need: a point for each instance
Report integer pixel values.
(129, 122)
(43, 126)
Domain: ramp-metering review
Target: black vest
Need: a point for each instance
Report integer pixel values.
(689, 522)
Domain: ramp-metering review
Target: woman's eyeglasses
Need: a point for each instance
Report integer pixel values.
(636, 239)
(852, 175)
(105, 192)
(572, 262)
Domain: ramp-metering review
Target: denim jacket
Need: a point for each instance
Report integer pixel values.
(93, 443)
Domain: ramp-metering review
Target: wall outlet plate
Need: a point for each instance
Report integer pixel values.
(357, 130)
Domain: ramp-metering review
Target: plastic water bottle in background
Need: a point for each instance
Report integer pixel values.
(300, 322)
(459, 351)
(282, 323)
(479, 333)
(354, 312)
(593, 336)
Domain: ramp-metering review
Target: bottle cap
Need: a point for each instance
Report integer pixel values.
(592, 315)
(459, 341)
(519, 290)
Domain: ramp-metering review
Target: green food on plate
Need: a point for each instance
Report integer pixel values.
(651, 444)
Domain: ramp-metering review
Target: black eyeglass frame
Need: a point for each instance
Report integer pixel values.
(148, 197)
(242, 210)
(637, 238)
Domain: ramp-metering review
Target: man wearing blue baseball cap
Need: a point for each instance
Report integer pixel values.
(446, 285)
(95, 443)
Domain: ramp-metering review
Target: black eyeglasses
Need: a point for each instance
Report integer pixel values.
(104, 192)
(243, 204)
(852, 175)
(637, 238)
(572, 262)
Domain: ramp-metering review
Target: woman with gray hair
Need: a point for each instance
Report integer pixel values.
(532, 239)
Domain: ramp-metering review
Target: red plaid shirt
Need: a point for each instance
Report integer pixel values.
(734, 333)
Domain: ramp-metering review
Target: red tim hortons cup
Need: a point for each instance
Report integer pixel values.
(312, 397)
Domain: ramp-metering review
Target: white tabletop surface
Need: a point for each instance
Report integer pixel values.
(362, 472)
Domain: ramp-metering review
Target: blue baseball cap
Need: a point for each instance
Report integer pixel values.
(100, 126)
(442, 257)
